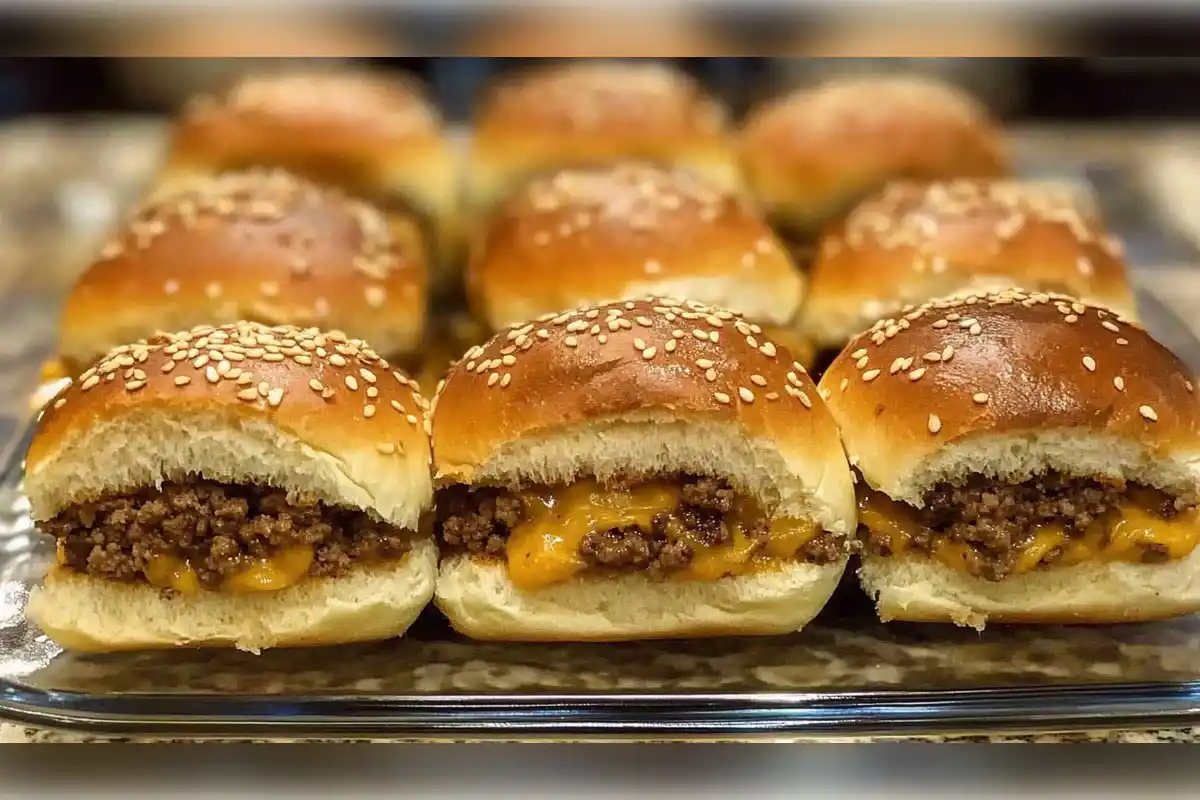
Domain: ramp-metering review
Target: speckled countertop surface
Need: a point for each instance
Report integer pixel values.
(97, 168)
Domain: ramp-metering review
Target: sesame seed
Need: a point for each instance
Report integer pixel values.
(975, 330)
(368, 411)
(670, 345)
(1122, 342)
(351, 383)
(861, 363)
(699, 334)
(746, 395)
(710, 375)
(649, 352)
(603, 338)
(412, 419)
(1089, 363)
(941, 323)
(1148, 413)
(703, 363)
(1188, 385)
(315, 385)
(758, 380)
(981, 397)
(247, 394)
(916, 374)
(772, 395)
(935, 424)
(678, 334)
(722, 398)
(506, 380)
(1112, 326)
(387, 448)
(639, 344)
(337, 360)
(367, 375)
(947, 353)
(767, 350)
(275, 397)
(211, 375)
(1119, 382)
(1070, 319)
(133, 386)
(870, 375)
(182, 380)
(571, 341)
(844, 384)
(264, 389)
(493, 379)
(859, 353)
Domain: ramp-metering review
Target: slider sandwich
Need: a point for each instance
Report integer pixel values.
(810, 155)
(1022, 458)
(261, 245)
(632, 470)
(912, 242)
(588, 113)
(628, 230)
(242, 485)
(376, 136)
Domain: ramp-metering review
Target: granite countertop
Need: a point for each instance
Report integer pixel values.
(96, 174)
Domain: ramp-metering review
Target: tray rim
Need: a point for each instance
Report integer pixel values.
(742, 716)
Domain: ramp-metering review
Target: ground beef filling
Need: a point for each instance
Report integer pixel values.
(218, 529)
(478, 521)
(998, 520)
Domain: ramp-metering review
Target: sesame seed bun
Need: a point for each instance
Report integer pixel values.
(810, 155)
(376, 136)
(261, 245)
(308, 412)
(1010, 385)
(912, 242)
(648, 386)
(627, 231)
(590, 113)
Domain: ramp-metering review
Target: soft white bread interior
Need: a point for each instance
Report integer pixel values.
(482, 603)
(88, 614)
(920, 590)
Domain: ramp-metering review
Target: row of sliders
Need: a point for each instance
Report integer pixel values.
(266, 245)
(634, 469)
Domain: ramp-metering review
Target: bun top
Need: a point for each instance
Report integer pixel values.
(590, 113)
(809, 154)
(656, 384)
(346, 121)
(261, 245)
(627, 231)
(1010, 384)
(304, 410)
(914, 241)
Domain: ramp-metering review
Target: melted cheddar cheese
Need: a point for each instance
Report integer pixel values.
(544, 549)
(896, 525)
(285, 568)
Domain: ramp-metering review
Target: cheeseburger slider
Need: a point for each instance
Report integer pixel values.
(590, 113)
(244, 485)
(639, 469)
(260, 245)
(1022, 457)
(912, 242)
(375, 136)
(623, 231)
(810, 155)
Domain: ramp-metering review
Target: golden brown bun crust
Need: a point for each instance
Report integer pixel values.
(1018, 363)
(348, 403)
(590, 113)
(619, 359)
(596, 33)
(587, 235)
(809, 154)
(911, 242)
(260, 245)
(376, 136)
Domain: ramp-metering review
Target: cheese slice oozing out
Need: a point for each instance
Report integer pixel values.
(1105, 540)
(544, 549)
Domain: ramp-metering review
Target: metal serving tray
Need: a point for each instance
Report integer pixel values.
(845, 675)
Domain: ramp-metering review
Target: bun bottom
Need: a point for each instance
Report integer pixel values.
(88, 614)
(482, 603)
(918, 590)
